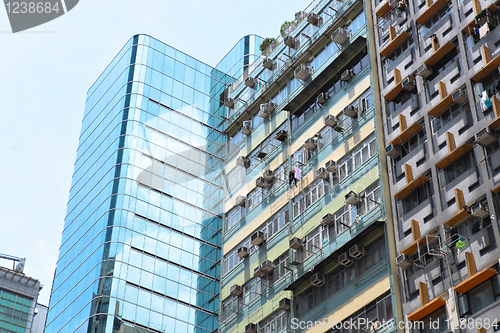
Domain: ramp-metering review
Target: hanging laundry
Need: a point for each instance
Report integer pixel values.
(291, 177)
(485, 101)
(484, 30)
(297, 172)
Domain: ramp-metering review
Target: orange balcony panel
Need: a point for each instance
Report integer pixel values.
(441, 105)
(394, 91)
(487, 69)
(439, 53)
(413, 247)
(458, 217)
(384, 9)
(427, 309)
(393, 44)
(431, 10)
(475, 280)
(451, 157)
(419, 181)
(496, 189)
(495, 124)
(405, 135)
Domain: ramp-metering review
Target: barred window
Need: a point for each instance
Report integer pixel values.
(309, 196)
(233, 216)
(354, 159)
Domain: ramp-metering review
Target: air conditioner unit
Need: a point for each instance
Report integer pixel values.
(340, 36)
(486, 136)
(268, 63)
(267, 266)
(268, 107)
(322, 173)
(251, 328)
(259, 272)
(262, 113)
(328, 219)
(347, 75)
(344, 260)
(393, 3)
(285, 304)
(289, 41)
(239, 201)
(281, 135)
(268, 175)
(322, 98)
(260, 182)
(351, 111)
(312, 18)
(460, 96)
(310, 144)
(250, 82)
(236, 290)
(403, 261)
(352, 198)
(357, 252)
(295, 259)
(424, 71)
(295, 243)
(330, 120)
(242, 252)
(242, 161)
(317, 280)
(331, 166)
(409, 84)
(392, 150)
(303, 72)
(479, 209)
(258, 238)
(247, 127)
(229, 102)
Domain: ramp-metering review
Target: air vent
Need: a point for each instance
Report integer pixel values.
(236, 290)
(267, 266)
(460, 96)
(263, 114)
(281, 135)
(268, 107)
(347, 75)
(289, 41)
(328, 219)
(409, 84)
(303, 72)
(247, 127)
(285, 304)
(242, 252)
(392, 150)
(239, 201)
(480, 210)
(260, 182)
(351, 111)
(330, 120)
(229, 102)
(295, 243)
(322, 98)
(317, 280)
(243, 161)
(250, 82)
(310, 144)
(331, 166)
(322, 173)
(356, 252)
(312, 18)
(340, 36)
(268, 63)
(251, 328)
(403, 261)
(344, 260)
(424, 71)
(486, 136)
(352, 198)
(258, 238)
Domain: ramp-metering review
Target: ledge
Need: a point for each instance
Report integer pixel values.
(413, 247)
(472, 23)
(496, 189)
(405, 135)
(451, 157)
(495, 124)
(384, 9)
(458, 217)
(431, 10)
(441, 105)
(439, 53)
(475, 280)
(487, 69)
(393, 44)
(419, 181)
(427, 309)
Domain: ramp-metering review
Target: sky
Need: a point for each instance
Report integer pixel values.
(45, 73)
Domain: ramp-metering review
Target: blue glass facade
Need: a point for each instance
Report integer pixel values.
(141, 245)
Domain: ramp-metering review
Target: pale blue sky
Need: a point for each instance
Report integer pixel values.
(44, 76)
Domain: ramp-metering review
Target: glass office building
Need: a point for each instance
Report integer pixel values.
(141, 245)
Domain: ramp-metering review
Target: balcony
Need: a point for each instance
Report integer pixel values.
(431, 9)
(394, 41)
(427, 309)
(462, 213)
(445, 101)
(495, 124)
(439, 52)
(454, 152)
(382, 8)
(398, 85)
(476, 7)
(401, 63)
(405, 131)
(475, 277)
(411, 183)
(489, 65)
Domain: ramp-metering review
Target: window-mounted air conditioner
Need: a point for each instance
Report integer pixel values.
(344, 260)
(260, 182)
(303, 72)
(281, 135)
(424, 71)
(229, 102)
(268, 175)
(357, 252)
(258, 238)
(251, 328)
(328, 219)
(340, 36)
(242, 252)
(239, 201)
(312, 18)
(268, 63)
(403, 261)
(392, 150)
(310, 144)
(409, 84)
(289, 41)
(460, 96)
(330, 120)
(250, 81)
(351, 111)
(479, 209)
(295, 243)
(347, 75)
(259, 272)
(322, 98)
(267, 266)
(317, 280)
(486, 136)
(352, 198)
(285, 304)
(247, 127)
(322, 173)
(262, 113)
(331, 166)
(243, 161)
(236, 290)
(268, 107)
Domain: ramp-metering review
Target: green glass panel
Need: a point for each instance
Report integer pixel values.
(18, 307)
(12, 297)
(3, 302)
(26, 309)
(27, 302)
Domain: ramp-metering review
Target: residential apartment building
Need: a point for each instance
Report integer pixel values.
(305, 236)
(438, 63)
